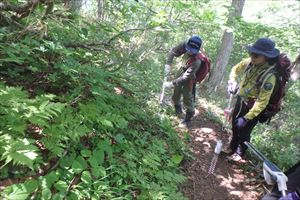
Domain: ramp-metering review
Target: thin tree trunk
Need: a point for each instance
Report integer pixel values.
(100, 9)
(73, 5)
(222, 59)
(295, 75)
(226, 46)
(238, 6)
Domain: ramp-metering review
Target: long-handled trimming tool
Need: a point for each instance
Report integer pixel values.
(218, 148)
(162, 94)
(272, 174)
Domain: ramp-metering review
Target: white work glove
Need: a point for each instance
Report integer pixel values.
(168, 84)
(167, 69)
(232, 87)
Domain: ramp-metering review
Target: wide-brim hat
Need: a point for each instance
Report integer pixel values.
(264, 46)
(193, 45)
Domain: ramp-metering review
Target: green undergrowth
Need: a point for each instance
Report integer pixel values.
(105, 148)
(72, 124)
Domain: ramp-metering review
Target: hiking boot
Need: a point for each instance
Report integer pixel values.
(188, 116)
(235, 157)
(178, 110)
(227, 150)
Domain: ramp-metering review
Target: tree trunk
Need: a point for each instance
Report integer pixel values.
(237, 10)
(222, 59)
(226, 46)
(295, 74)
(73, 5)
(100, 9)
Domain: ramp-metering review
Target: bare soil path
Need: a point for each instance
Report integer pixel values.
(230, 181)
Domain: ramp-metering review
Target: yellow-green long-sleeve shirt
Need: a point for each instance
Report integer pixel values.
(248, 88)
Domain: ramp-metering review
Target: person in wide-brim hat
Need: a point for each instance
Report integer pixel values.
(264, 46)
(252, 99)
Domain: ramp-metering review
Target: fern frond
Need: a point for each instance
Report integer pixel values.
(18, 151)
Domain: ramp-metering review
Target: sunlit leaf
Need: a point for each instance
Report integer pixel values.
(20, 191)
(86, 177)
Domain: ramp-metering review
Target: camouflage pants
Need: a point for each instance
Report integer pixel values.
(185, 90)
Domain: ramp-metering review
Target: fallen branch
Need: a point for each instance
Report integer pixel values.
(126, 31)
(87, 46)
(6, 21)
(91, 46)
(4, 6)
(49, 167)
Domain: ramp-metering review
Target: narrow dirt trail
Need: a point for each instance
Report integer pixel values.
(230, 180)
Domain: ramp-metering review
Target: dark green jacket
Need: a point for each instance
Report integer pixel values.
(188, 71)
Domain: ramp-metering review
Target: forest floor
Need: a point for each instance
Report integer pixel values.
(230, 181)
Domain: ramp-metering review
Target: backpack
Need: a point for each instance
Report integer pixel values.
(282, 72)
(204, 68)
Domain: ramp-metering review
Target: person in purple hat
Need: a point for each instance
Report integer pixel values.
(187, 73)
(252, 98)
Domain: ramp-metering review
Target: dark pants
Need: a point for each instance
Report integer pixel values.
(239, 135)
(292, 184)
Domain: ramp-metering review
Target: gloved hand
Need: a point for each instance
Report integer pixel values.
(241, 122)
(291, 196)
(168, 84)
(232, 87)
(167, 69)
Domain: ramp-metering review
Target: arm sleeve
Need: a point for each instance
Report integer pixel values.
(189, 74)
(238, 69)
(263, 98)
(176, 52)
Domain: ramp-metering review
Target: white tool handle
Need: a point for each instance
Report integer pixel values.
(218, 147)
(162, 94)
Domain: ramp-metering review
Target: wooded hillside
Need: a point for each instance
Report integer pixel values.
(79, 88)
